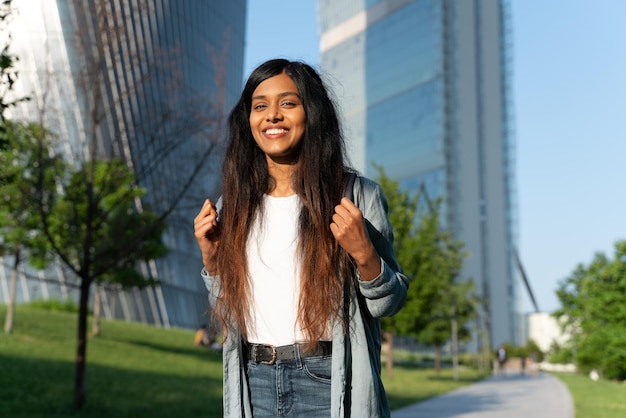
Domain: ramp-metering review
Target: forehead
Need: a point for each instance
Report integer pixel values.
(275, 86)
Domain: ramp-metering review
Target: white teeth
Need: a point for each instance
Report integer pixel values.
(275, 131)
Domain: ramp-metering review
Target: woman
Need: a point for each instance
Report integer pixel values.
(297, 274)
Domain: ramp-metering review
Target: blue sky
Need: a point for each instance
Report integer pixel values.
(569, 95)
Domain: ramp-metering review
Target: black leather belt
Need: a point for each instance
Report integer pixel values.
(268, 354)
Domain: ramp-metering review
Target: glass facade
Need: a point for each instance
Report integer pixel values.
(395, 89)
(149, 81)
(424, 88)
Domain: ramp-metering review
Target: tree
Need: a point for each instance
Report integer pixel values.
(432, 259)
(402, 212)
(451, 318)
(98, 233)
(593, 300)
(17, 144)
(8, 71)
(23, 165)
(445, 302)
(135, 104)
(134, 101)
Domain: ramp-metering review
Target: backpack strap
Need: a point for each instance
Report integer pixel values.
(348, 186)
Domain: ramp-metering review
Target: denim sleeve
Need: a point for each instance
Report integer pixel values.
(212, 284)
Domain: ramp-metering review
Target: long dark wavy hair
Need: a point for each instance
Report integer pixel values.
(317, 179)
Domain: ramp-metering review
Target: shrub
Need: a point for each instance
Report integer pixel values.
(67, 305)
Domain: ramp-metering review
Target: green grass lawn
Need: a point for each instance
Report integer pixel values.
(595, 399)
(135, 370)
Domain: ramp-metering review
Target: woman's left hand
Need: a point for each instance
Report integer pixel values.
(349, 230)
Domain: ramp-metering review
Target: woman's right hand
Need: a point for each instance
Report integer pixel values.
(206, 229)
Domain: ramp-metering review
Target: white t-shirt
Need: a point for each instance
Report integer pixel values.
(274, 271)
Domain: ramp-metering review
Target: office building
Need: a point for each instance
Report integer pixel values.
(425, 92)
(148, 81)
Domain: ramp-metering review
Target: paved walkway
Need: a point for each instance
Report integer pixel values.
(512, 396)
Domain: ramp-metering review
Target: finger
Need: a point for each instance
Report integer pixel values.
(342, 214)
(347, 214)
(349, 205)
(336, 231)
(343, 228)
(210, 220)
(347, 210)
(213, 210)
(340, 230)
(207, 207)
(203, 230)
(206, 219)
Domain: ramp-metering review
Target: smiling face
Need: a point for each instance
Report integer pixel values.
(277, 118)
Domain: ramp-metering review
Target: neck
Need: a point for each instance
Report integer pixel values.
(281, 175)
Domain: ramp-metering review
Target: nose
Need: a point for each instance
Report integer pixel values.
(273, 113)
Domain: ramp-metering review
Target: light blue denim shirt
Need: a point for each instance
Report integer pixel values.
(356, 388)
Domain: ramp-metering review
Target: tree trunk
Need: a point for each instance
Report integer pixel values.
(80, 392)
(455, 346)
(438, 359)
(81, 345)
(8, 320)
(95, 326)
(389, 363)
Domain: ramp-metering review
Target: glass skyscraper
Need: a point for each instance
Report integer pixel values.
(424, 87)
(148, 81)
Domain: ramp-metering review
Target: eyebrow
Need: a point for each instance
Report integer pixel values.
(281, 95)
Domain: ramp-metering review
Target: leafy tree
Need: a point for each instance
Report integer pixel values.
(22, 163)
(451, 318)
(532, 348)
(8, 71)
(94, 227)
(137, 105)
(561, 353)
(402, 212)
(432, 259)
(593, 301)
(19, 144)
(422, 260)
(96, 230)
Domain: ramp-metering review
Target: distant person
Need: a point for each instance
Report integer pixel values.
(202, 336)
(534, 363)
(501, 356)
(298, 273)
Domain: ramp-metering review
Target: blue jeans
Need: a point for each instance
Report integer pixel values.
(291, 388)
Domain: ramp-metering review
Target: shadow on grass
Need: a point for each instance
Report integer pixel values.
(398, 402)
(44, 388)
(192, 351)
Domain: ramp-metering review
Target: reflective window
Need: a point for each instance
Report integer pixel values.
(392, 66)
(408, 126)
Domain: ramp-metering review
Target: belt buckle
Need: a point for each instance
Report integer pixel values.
(268, 362)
